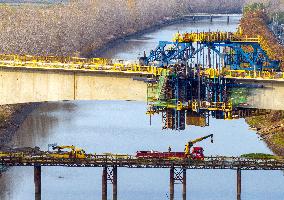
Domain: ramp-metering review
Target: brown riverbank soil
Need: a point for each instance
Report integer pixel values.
(271, 128)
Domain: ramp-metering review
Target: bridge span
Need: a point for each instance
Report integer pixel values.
(110, 165)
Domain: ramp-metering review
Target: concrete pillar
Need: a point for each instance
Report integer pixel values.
(172, 183)
(114, 185)
(239, 184)
(104, 184)
(184, 184)
(37, 182)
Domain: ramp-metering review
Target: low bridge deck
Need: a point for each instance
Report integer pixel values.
(233, 163)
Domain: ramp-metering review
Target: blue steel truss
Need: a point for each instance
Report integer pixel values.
(234, 55)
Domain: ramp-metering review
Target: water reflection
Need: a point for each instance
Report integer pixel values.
(183, 96)
(123, 127)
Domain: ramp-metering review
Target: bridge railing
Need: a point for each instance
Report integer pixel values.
(73, 63)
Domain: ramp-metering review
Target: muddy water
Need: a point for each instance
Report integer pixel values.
(123, 127)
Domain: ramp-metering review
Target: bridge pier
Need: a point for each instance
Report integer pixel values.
(177, 176)
(239, 184)
(37, 182)
(114, 184)
(172, 183)
(109, 176)
(184, 185)
(104, 184)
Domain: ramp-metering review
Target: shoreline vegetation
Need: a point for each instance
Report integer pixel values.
(255, 21)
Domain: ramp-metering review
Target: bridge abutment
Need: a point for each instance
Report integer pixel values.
(37, 182)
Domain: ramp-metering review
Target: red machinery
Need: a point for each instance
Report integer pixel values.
(196, 153)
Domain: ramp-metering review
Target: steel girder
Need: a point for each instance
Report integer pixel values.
(237, 58)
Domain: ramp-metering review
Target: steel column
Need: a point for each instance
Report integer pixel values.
(114, 185)
(172, 183)
(37, 182)
(104, 184)
(184, 184)
(239, 184)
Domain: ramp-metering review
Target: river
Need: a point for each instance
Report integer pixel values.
(123, 127)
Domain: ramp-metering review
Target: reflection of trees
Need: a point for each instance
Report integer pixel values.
(239, 95)
(39, 124)
(271, 129)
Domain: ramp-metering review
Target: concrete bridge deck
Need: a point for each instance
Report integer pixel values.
(26, 79)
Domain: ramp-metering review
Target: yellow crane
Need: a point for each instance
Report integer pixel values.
(192, 142)
(73, 152)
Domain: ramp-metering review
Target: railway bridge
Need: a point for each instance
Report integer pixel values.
(111, 163)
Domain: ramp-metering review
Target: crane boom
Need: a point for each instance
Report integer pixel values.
(63, 147)
(190, 143)
(201, 138)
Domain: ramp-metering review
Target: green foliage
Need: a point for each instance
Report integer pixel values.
(279, 16)
(238, 96)
(278, 139)
(254, 7)
(259, 156)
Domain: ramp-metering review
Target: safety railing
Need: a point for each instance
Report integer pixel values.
(73, 63)
(214, 37)
(244, 74)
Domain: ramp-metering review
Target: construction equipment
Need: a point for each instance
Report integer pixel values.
(73, 152)
(195, 154)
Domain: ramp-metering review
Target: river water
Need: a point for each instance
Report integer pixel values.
(123, 127)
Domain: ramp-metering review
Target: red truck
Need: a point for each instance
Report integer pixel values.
(196, 153)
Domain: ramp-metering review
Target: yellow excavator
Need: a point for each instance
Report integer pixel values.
(74, 152)
(197, 152)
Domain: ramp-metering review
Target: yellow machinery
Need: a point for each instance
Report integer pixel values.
(196, 149)
(72, 153)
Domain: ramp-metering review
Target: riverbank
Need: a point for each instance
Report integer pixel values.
(271, 126)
